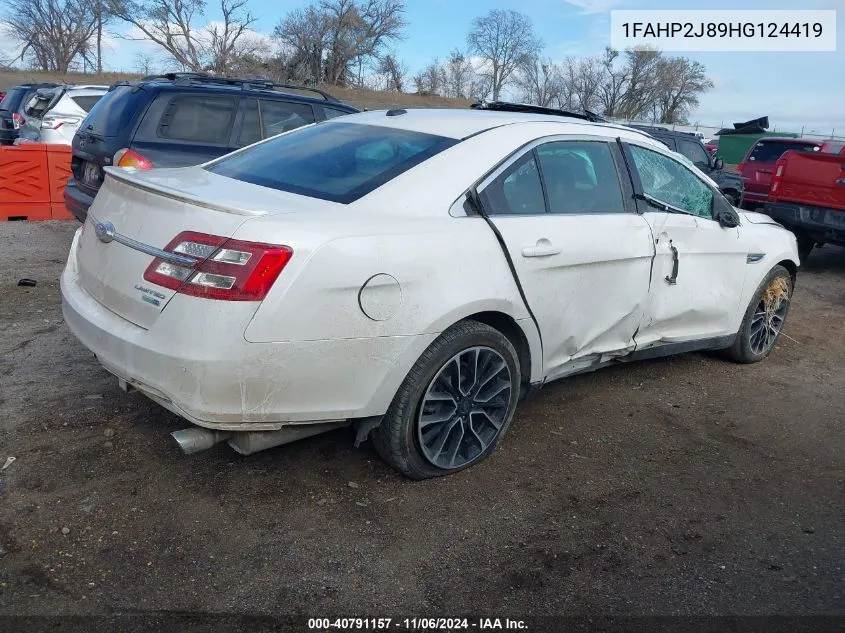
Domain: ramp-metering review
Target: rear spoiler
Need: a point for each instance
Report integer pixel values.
(128, 177)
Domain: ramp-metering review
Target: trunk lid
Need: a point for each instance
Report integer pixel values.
(147, 210)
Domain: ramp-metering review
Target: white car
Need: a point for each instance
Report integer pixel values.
(53, 114)
(413, 273)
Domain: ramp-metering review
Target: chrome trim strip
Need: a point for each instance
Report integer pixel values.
(106, 233)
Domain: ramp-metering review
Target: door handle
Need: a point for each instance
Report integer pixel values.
(543, 248)
(673, 278)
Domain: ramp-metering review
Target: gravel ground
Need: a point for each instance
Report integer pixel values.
(680, 486)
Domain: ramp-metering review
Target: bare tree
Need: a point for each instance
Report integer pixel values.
(51, 33)
(680, 81)
(173, 25)
(335, 40)
(586, 79)
(459, 76)
(504, 40)
(643, 65)
(394, 72)
(614, 82)
(144, 63)
(431, 80)
(232, 36)
(305, 33)
(540, 82)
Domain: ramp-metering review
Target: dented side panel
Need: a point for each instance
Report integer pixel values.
(705, 299)
(590, 297)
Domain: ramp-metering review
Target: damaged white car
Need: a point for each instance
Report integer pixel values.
(414, 273)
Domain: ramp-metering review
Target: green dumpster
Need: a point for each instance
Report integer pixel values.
(734, 147)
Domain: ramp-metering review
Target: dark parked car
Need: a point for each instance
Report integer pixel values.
(182, 119)
(11, 110)
(689, 145)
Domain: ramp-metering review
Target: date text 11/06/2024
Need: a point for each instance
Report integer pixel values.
(416, 624)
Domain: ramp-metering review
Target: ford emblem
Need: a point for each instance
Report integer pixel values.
(105, 231)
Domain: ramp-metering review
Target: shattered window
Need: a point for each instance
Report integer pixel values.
(670, 182)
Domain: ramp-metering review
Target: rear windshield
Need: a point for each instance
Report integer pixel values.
(340, 162)
(770, 151)
(86, 103)
(12, 99)
(113, 112)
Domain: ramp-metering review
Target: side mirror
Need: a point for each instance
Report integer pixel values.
(728, 218)
(718, 162)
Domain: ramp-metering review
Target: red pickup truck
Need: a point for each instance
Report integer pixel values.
(807, 196)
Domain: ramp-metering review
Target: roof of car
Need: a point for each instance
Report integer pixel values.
(461, 123)
(205, 82)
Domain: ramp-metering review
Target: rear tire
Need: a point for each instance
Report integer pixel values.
(764, 318)
(455, 404)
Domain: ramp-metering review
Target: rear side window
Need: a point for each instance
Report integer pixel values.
(580, 177)
(86, 103)
(264, 118)
(770, 151)
(516, 191)
(199, 119)
(278, 117)
(340, 162)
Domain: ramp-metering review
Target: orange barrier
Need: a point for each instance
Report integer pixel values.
(32, 181)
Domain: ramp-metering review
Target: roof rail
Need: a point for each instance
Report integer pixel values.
(244, 82)
(506, 106)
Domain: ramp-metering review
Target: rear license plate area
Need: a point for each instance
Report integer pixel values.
(91, 174)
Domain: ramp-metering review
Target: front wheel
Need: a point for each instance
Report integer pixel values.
(764, 318)
(455, 404)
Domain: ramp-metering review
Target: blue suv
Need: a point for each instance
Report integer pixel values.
(182, 119)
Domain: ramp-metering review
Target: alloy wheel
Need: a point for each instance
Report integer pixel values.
(464, 407)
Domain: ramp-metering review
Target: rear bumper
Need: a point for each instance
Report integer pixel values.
(205, 371)
(77, 201)
(812, 221)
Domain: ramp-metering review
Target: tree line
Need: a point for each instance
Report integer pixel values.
(352, 43)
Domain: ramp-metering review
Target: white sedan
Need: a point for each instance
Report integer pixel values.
(413, 273)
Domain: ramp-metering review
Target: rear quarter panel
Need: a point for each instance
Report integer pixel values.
(445, 269)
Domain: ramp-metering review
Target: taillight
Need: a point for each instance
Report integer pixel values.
(226, 269)
(128, 158)
(778, 175)
(17, 120)
(740, 167)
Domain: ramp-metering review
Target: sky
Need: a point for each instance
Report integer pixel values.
(798, 89)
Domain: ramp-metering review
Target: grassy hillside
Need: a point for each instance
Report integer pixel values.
(369, 99)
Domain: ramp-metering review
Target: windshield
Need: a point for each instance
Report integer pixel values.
(340, 162)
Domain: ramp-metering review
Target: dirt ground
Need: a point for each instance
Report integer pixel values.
(681, 486)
